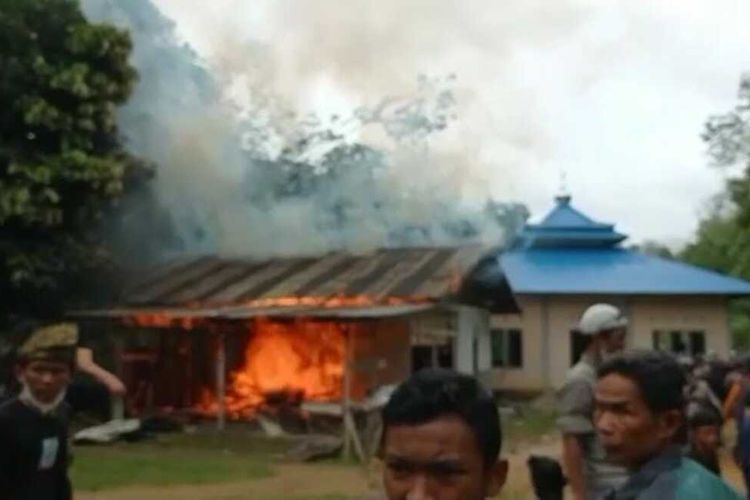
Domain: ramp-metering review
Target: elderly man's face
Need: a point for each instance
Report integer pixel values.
(629, 431)
(438, 460)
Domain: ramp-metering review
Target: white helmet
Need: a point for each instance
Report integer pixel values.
(600, 318)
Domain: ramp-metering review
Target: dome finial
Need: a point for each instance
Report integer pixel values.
(563, 198)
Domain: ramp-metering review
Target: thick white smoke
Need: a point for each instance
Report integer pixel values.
(207, 121)
(608, 91)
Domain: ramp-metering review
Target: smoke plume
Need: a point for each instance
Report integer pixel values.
(247, 163)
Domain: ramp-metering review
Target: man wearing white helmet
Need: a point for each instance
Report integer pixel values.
(589, 474)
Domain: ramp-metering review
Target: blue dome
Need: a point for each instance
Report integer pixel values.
(565, 227)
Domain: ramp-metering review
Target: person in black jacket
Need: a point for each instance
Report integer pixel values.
(34, 453)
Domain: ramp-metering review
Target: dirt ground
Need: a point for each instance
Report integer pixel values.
(319, 481)
(314, 481)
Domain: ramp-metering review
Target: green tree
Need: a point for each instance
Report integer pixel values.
(723, 245)
(728, 134)
(62, 167)
(650, 247)
(722, 242)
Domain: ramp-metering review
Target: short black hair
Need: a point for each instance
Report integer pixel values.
(703, 416)
(659, 377)
(433, 393)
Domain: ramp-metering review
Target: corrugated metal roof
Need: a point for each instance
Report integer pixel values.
(614, 271)
(210, 282)
(175, 315)
(564, 216)
(362, 312)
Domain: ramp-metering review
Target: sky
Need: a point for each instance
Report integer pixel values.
(604, 98)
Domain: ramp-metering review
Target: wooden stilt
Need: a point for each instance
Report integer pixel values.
(351, 435)
(354, 437)
(346, 400)
(221, 381)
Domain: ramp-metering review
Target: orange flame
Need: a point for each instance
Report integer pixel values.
(305, 358)
(161, 319)
(177, 319)
(302, 358)
(333, 301)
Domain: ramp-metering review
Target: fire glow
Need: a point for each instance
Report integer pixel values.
(301, 360)
(169, 319)
(332, 302)
(292, 360)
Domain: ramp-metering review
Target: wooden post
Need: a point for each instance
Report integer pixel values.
(188, 341)
(347, 392)
(351, 424)
(351, 435)
(221, 374)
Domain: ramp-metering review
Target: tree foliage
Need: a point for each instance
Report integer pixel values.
(728, 134)
(722, 242)
(352, 187)
(650, 247)
(723, 236)
(62, 168)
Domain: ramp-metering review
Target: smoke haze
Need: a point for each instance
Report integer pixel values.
(240, 171)
(613, 93)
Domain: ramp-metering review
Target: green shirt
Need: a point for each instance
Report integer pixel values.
(671, 476)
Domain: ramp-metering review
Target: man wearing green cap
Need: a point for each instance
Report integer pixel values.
(34, 425)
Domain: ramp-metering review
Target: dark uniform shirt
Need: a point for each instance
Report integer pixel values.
(33, 453)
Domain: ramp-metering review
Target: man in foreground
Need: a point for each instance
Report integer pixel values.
(33, 425)
(441, 440)
(588, 471)
(639, 416)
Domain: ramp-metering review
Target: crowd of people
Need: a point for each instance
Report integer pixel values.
(614, 400)
(635, 425)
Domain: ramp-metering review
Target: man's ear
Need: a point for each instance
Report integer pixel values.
(670, 424)
(498, 473)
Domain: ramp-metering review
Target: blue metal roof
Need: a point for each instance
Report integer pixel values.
(608, 271)
(565, 226)
(565, 216)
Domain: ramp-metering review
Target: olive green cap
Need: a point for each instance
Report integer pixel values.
(51, 343)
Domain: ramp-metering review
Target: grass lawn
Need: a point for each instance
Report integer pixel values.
(530, 425)
(175, 459)
(316, 497)
(238, 456)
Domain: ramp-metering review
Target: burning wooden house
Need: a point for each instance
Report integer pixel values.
(229, 336)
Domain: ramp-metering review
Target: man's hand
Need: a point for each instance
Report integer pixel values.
(85, 363)
(115, 387)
